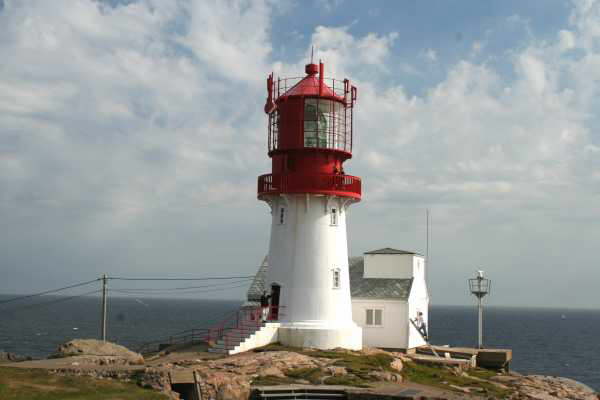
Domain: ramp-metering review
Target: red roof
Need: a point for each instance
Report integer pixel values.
(309, 86)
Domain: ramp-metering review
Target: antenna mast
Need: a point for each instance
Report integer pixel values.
(427, 248)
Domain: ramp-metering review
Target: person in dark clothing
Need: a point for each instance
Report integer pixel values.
(421, 325)
(264, 304)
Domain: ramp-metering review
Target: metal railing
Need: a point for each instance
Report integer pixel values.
(190, 336)
(242, 319)
(294, 183)
(339, 88)
(248, 318)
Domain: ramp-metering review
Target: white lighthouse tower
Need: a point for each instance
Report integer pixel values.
(310, 137)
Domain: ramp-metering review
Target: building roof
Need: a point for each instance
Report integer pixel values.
(368, 288)
(389, 250)
(258, 283)
(376, 288)
(309, 86)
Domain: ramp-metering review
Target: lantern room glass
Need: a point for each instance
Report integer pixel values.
(324, 124)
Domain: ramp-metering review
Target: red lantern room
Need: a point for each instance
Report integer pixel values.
(310, 136)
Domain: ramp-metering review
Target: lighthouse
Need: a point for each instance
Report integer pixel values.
(310, 135)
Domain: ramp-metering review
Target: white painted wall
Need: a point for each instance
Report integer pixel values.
(418, 300)
(398, 266)
(303, 252)
(393, 333)
(397, 331)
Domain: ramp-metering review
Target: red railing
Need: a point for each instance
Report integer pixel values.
(333, 184)
(339, 88)
(245, 318)
(250, 317)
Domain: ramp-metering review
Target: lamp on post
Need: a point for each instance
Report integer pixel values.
(479, 287)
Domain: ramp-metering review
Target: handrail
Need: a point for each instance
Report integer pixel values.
(187, 336)
(296, 183)
(249, 317)
(339, 87)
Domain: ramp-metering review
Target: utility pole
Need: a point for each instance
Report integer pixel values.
(104, 290)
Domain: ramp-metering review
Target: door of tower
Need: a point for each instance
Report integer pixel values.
(275, 293)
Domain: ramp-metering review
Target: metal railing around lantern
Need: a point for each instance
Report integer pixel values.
(323, 183)
(340, 88)
(335, 128)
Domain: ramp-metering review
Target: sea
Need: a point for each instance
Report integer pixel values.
(556, 342)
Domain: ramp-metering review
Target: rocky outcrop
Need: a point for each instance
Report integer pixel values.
(538, 387)
(232, 377)
(11, 357)
(104, 352)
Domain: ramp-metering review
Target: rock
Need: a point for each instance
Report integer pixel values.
(233, 392)
(336, 371)
(538, 387)
(385, 376)
(92, 347)
(507, 379)
(397, 365)
(271, 371)
(11, 357)
(460, 389)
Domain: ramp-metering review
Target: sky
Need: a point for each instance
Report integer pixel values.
(132, 135)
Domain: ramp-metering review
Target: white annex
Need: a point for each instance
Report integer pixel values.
(387, 287)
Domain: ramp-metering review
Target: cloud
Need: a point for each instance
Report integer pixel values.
(430, 55)
(337, 46)
(131, 137)
(328, 5)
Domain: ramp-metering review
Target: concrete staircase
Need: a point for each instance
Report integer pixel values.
(245, 337)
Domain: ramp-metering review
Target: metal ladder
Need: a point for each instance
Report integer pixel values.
(424, 338)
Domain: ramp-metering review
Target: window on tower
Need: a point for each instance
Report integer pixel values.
(281, 215)
(336, 278)
(334, 216)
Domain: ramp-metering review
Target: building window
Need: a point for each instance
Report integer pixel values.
(334, 216)
(374, 317)
(281, 215)
(336, 278)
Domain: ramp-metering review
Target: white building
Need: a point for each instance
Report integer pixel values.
(387, 288)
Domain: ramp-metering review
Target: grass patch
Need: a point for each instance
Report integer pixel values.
(482, 373)
(346, 380)
(272, 380)
(277, 347)
(35, 384)
(362, 365)
(442, 377)
(313, 375)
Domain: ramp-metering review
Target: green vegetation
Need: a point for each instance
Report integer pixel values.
(35, 384)
(442, 377)
(313, 375)
(360, 366)
(271, 380)
(346, 380)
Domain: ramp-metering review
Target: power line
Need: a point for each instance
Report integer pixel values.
(181, 288)
(179, 279)
(54, 301)
(48, 291)
(175, 294)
